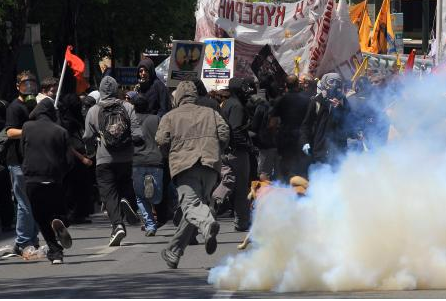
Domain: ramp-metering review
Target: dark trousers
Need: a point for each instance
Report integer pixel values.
(293, 162)
(78, 190)
(6, 204)
(47, 204)
(239, 161)
(115, 183)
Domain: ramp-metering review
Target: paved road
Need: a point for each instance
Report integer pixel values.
(136, 270)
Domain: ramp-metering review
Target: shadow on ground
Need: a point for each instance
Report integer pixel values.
(170, 284)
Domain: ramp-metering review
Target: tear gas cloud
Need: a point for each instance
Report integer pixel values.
(377, 222)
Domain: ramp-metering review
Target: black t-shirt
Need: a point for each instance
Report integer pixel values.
(16, 115)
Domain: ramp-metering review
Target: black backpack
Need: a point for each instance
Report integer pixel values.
(114, 125)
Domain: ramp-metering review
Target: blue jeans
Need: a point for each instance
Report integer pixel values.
(144, 204)
(26, 227)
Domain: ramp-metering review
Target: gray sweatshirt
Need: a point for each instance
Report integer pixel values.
(108, 90)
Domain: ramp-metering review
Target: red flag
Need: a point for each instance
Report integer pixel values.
(410, 62)
(78, 67)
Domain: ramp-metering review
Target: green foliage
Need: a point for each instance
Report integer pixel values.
(125, 26)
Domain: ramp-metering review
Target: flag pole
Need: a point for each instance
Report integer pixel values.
(439, 34)
(60, 82)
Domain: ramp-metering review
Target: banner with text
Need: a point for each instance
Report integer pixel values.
(305, 28)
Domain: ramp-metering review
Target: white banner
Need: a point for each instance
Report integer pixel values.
(186, 61)
(324, 38)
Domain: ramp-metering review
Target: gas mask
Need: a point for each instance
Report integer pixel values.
(28, 91)
(332, 88)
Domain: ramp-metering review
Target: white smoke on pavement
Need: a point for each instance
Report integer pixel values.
(378, 222)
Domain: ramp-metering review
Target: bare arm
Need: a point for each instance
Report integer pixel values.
(84, 160)
(14, 133)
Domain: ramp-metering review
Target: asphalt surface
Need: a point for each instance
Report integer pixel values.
(136, 270)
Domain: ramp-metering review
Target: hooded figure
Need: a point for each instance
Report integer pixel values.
(193, 137)
(114, 165)
(47, 158)
(327, 123)
(45, 145)
(188, 133)
(108, 90)
(152, 88)
(233, 110)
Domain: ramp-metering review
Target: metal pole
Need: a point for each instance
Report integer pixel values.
(60, 82)
(425, 26)
(439, 31)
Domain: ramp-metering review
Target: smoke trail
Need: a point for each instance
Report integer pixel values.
(378, 222)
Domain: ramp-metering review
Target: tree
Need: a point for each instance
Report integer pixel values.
(116, 28)
(13, 18)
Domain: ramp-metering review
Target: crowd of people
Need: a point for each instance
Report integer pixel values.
(155, 154)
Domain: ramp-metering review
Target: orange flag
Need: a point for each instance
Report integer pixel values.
(357, 12)
(383, 39)
(78, 67)
(364, 31)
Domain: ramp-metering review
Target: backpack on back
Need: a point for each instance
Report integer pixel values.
(114, 125)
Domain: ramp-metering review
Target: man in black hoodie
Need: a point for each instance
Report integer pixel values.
(152, 88)
(47, 158)
(234, 112)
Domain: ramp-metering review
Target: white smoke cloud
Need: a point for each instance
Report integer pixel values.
(378, 222)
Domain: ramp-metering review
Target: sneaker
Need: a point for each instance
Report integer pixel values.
(170, 258)
(62, 233)
(11, 251)
(149, 189)
(210, 243)
(241, 229)
(130, 215)
(117, 235)
(57, 261)
(150, 233)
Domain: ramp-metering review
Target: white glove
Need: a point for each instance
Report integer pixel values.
(306, 149)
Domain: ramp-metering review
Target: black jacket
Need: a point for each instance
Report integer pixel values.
(47, 154)
(291, 108)
(326, 128)
(235, 114)
(264, 136)
(154, 90)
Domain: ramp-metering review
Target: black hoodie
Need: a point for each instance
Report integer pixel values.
(233, 111)
(46, 150)
(154, 90)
